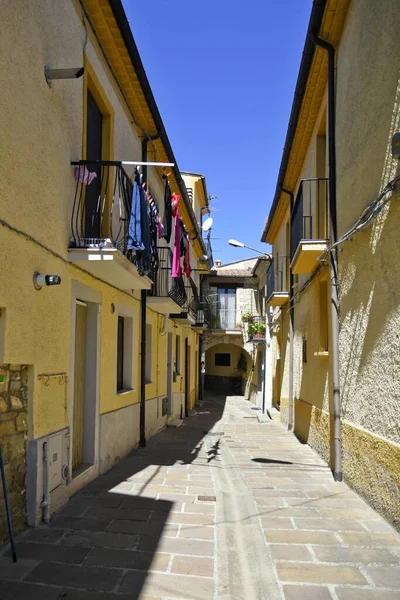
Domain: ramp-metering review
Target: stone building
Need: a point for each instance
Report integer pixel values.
(234, 348)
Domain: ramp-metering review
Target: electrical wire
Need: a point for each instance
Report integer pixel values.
(365, 219)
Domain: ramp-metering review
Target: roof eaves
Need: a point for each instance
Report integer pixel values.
(314, 26)
(124, 27)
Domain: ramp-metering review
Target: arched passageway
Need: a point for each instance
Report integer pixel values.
(227, 367)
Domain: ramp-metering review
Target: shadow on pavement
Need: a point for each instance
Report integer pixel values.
(103, 542)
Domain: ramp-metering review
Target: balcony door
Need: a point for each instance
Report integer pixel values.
(226, 306)
(94, 131)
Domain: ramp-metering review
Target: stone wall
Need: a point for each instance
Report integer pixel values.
(13, 442)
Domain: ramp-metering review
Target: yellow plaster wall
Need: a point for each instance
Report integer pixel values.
(368, 101)
(233, 350)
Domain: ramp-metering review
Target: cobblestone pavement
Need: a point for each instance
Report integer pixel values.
(221, 508)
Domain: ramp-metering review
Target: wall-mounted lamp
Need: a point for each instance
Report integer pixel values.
(40, 280)
(51, 74)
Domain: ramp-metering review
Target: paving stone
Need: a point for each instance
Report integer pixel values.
(178, 546)
(274, 502)
(70, 510)
(53, 552)
(127, 559)
(150, 529)
(16, 590)
(84, 577)
(306, 592)
(316, 573)
(170, 585)
(276, 523)
(71, 594)
(351, 554)
(108, 500)
(329, 524)
(300, 537)
(99, 538)
(385, 576)
(203, 508)
(379, 526)
(370, 539)
(363, 594)
(136, 503)
(45, 533)
(18, 570)
(346, 513)
(290, 552)
(196, 532)
(183, 518)
(193, 565)
(118, 513)
(83, 523)
(174, 498)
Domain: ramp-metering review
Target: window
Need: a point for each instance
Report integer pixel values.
(178, 355)
(124, 349)
(120, 353)
(224, 307)
(222, 359)
(149, 344)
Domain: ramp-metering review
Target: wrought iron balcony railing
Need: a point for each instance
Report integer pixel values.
(310, 216)
(192, 303)
(224, 318)
(204, 313)
(256, 329)
(102, 206)
(164, 285)
(278, 275)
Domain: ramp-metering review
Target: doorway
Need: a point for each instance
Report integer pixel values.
(169, 374)
(79, 384)
(187, 376)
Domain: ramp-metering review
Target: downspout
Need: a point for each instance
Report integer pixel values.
(333, 261)
(143, 298)
(291, 319)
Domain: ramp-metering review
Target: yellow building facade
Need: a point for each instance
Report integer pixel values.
(298, 227)
(72, 354)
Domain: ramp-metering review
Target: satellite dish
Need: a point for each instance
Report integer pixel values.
(207, 224)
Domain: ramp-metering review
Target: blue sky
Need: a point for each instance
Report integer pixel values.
(223, 74)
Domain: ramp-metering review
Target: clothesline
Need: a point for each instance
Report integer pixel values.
(133, 163)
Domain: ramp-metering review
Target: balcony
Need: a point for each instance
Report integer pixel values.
(190, 308)
(167, 294)
(309, 225)
(100, 224)
(203, 317)
(225, 319)
(255, 330)
(278, 281)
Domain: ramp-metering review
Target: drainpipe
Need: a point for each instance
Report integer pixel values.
(143, 298)
(333, 261)
(45, 504)
(291, 320)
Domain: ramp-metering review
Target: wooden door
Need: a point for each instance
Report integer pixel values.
(79, 385)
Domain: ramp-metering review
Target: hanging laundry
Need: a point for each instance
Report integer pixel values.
(176, 259)
(160, 228)
(83, 175)
(175, 199)
(187, 269)
(167, 219)
(135, 223)
(183, 236)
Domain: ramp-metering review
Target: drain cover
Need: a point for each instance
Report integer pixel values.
(206, 498)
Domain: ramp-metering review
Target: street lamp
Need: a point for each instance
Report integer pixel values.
(237, 244)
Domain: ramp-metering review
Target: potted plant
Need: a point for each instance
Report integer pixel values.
(247, 317)
(260, 331)
(238, 326)
(251, 330)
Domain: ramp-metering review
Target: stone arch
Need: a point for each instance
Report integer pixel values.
(227, 378)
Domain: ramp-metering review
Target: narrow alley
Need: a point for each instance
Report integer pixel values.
(223, 507)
